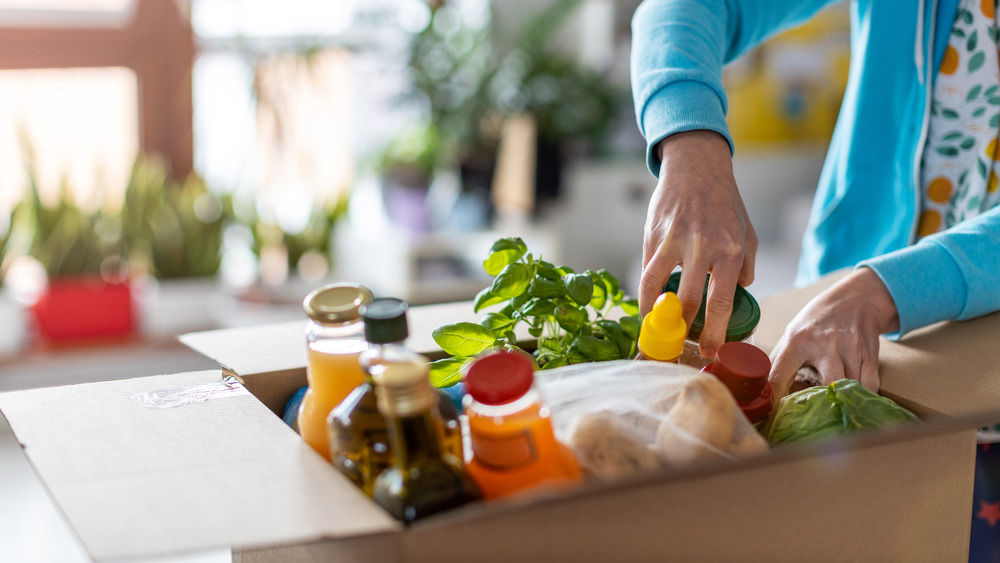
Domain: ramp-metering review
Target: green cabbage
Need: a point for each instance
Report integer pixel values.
(841, 407)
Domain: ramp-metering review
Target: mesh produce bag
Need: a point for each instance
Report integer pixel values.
(626, 417)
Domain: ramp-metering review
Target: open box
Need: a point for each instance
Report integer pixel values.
(222, 470)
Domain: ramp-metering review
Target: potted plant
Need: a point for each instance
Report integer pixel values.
(407, 166)
(173, 233)
(87, 293)
(471, 76)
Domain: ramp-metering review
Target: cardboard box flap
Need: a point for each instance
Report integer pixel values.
(174, 463)
(279, 347)
(267, 348)
(945, 369)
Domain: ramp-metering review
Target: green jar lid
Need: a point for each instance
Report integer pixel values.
(743, 321)
(385, 320)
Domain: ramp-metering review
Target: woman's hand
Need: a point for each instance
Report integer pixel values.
(837, 334)
(696, 220)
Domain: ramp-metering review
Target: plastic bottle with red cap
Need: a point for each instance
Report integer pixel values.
(743, 368)
(514, 448)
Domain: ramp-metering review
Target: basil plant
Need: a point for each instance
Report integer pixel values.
(565, 311)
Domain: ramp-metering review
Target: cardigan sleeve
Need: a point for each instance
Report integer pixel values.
(678, 50)
(951, 275)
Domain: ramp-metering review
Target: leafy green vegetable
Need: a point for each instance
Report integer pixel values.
(841, 407)
(463, 339)
(448, 372)
(566, 311)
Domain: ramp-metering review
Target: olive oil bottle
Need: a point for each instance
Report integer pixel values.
(359, 444)
(423, 479)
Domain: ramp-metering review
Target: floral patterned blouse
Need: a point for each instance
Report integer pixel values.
(960, 161)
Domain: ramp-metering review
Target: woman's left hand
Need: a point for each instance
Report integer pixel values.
(837, 334)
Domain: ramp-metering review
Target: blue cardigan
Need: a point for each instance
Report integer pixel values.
(868, 199)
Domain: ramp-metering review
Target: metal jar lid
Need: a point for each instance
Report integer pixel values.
(336, 303)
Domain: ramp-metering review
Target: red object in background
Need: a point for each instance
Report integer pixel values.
(85, 307)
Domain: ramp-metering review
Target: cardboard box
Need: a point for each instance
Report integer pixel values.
(215, 467)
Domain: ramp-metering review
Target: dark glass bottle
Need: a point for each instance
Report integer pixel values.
(423, 479)
(359, 445)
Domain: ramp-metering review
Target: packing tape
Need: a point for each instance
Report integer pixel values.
(180, 396)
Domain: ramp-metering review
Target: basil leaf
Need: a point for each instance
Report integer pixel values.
(548, 271)
(570, 318)
(504, 252)
(538, 308)
(557, 362)
(630, 325)
(512, 281)
(541, 287)
(616, 334)
(597, 349)
(486, 298)
(576, 357)
(497, 323)
(600, 297)
(609, 281)
(580, 288)
(447, 372)
(463, 339)
(630, 306)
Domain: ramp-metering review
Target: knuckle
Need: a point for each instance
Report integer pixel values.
(649, 283)
(720, 305)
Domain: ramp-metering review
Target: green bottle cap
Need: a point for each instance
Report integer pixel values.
(385, 320)
(742, 323)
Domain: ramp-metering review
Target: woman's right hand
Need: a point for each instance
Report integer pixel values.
(696, 220)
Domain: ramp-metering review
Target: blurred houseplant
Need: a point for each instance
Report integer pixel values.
(87, 293)
(407, 165)
(283, 253)
(92, 257)
(173, 228)
(471, 76)
(173, 231)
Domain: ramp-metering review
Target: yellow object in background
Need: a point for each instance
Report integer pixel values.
(789, 90)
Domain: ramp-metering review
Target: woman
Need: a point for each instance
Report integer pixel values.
(908, 192)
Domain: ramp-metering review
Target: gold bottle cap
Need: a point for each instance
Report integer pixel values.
(336, 303)
(403, 388)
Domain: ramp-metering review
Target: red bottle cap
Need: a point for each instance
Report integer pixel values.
(499, 378)
(757, 409)
(742, 367)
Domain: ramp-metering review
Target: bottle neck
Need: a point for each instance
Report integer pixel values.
(380, 354)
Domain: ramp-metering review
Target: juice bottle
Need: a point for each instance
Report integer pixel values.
(662, 335)
(514, 448)
(359, 443)
(423, 478)
(334, 339)
(744, 368)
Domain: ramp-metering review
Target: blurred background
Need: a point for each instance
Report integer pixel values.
(169, 166)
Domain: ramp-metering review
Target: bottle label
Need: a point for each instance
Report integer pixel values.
(505, 452)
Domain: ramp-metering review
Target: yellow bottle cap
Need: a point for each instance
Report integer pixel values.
(663, 329)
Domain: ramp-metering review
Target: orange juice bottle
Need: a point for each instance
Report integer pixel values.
(334, 338)
(514, 448)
